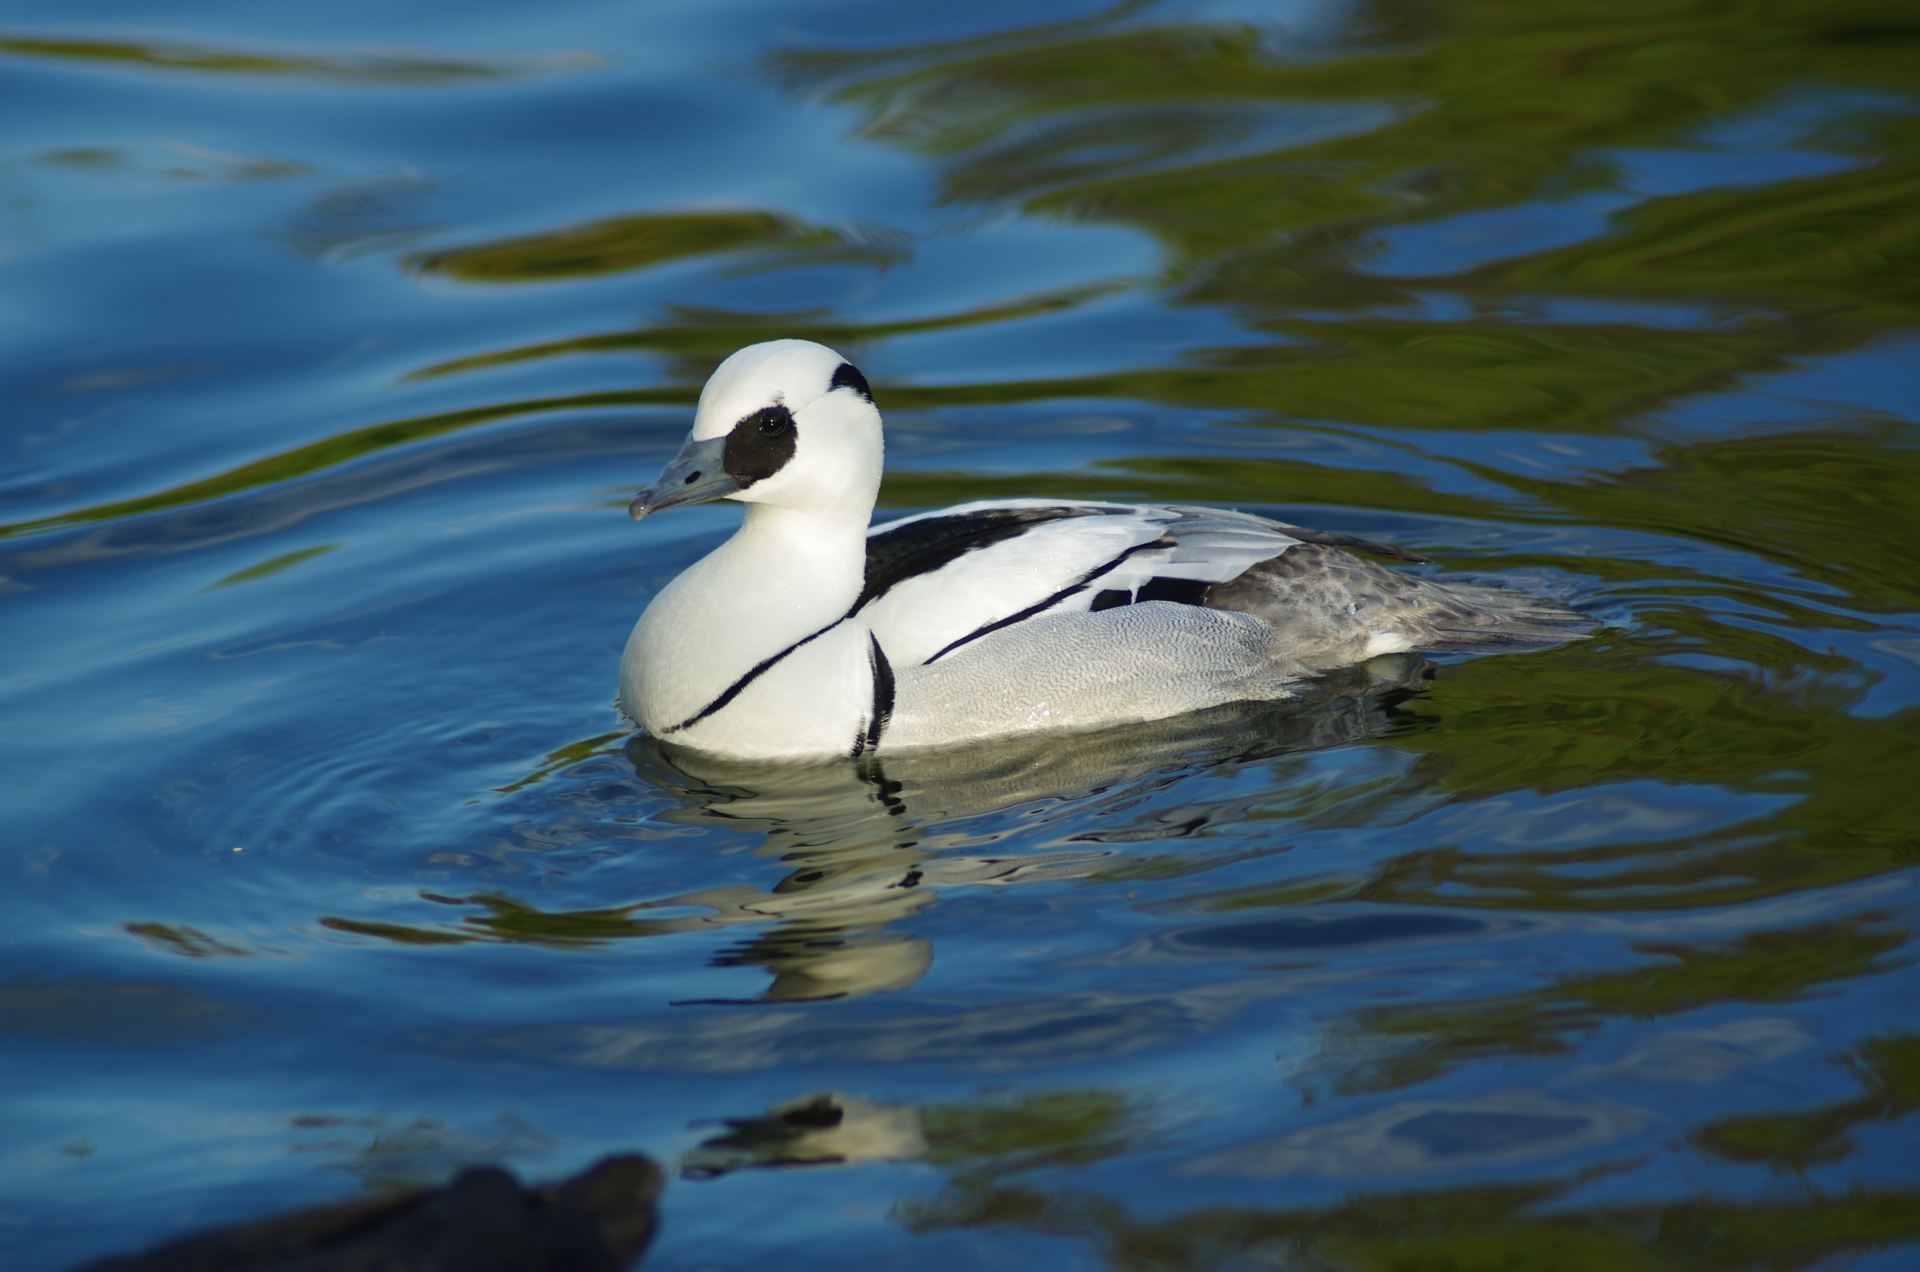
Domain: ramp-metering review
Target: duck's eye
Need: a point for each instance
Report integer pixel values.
(760, 444)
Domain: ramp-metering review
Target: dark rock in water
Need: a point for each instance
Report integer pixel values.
(598, 1221)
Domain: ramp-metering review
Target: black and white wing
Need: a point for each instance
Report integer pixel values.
(939, 581)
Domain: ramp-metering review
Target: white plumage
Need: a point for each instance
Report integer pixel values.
(807, 634)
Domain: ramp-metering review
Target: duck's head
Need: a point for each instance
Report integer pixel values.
(788, 423)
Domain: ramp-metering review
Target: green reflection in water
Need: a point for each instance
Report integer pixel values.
(700, 338)
(565, 757)
(1499, 101)
(982, 1144)
(1889, 1073)
(189, 942)
(1273, 209)
(1479, 105)
(1035, 1130)
(267, 569)
(305, 461)
(639, 242)
(364, 68)
(1505, 1226)
(506, 919)
(1825, 505)
(1597, 716)
(1390, 1047)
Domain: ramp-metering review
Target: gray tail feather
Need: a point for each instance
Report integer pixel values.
(1323, 602)
(1494, 617)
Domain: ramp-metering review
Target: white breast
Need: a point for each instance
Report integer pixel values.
(815, 701)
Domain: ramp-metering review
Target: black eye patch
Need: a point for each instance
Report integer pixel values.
(759, 445)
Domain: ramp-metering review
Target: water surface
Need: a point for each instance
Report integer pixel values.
(335, 341)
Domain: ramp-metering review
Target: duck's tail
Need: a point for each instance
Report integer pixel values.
(1327, 607)
(1496, 617)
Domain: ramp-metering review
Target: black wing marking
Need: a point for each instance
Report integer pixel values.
(1179, 591)
(1078, 585)
(923, 546)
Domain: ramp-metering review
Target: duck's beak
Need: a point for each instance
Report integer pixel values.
(695, 475)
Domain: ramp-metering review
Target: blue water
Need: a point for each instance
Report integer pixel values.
(333, 866)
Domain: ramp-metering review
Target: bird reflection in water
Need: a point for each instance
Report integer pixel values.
(823, 1129)
(991, 1136)
(868, 845)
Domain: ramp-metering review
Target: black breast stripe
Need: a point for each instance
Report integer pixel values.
(733, 690)
(1078, 585)
(868, 739)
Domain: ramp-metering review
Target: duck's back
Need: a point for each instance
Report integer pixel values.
(1013, 615)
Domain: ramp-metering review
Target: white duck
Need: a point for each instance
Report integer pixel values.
(809, 634)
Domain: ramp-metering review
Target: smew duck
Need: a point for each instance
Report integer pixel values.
(810, 634)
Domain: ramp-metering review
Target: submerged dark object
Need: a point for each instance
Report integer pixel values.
(484, 1221)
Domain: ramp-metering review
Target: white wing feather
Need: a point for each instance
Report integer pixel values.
(922, 615)
(919, 616)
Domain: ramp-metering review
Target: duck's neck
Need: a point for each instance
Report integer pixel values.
(783, 576)
(801, 569)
